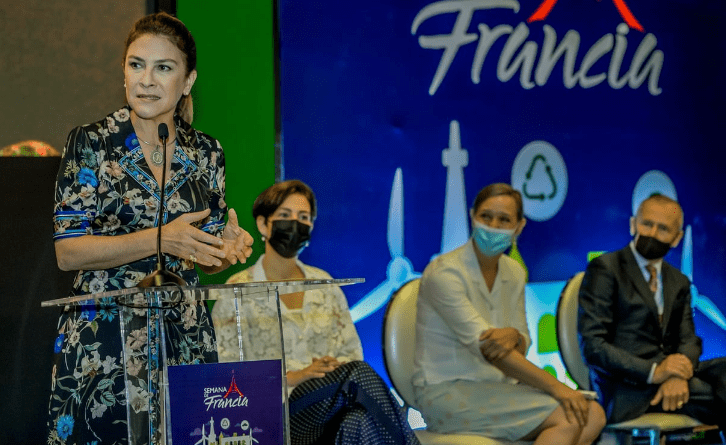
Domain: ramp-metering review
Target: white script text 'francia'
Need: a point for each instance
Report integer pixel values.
(518, 54)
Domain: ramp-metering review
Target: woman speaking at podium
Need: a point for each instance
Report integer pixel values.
(335, 397)
(107, 206)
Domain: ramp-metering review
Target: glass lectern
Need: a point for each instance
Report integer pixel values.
(239, 403)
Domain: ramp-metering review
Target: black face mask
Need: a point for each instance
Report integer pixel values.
(289, 237)
(651, 248)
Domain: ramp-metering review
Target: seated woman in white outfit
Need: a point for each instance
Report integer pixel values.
(471, 374)
(335, 397)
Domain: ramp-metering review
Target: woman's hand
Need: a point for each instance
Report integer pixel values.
(317, 369)
(181, 239)
(237, 242)
(574, 404)
(496, 343)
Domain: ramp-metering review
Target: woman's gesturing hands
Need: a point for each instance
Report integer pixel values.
(237, 241)
(180, 238)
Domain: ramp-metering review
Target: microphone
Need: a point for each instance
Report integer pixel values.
(161, 276)
(163, 133)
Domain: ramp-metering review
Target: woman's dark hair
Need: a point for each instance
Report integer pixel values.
(163, 24)
(269, 200)
(498, 189)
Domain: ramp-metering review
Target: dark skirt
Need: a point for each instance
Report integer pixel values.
(349, 406)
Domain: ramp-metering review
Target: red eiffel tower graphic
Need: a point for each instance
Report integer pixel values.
(233, 387)
(546, 7)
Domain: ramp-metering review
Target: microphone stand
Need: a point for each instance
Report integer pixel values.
(161, 276)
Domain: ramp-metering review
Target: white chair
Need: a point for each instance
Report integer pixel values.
(399, 338)
(654, 428)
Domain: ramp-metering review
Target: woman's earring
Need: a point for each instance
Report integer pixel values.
(263, 238)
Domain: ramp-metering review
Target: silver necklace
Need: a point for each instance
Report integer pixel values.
(157, 157)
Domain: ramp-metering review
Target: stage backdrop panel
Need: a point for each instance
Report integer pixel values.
(234, 99)
(398, 112)
(61, 65)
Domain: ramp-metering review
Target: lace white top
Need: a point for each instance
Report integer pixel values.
(322, 327)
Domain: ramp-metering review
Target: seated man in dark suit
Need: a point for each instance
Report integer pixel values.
(636, 327)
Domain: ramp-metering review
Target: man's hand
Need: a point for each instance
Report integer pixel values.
(675, 365)
(673, 393)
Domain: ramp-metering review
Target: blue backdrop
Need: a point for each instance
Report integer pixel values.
(589, 105)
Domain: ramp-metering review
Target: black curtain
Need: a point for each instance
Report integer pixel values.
(29, 275)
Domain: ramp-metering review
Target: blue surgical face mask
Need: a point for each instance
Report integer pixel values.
(491, 241)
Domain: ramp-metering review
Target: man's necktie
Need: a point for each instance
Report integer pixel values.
(653, 285)
(653, 280)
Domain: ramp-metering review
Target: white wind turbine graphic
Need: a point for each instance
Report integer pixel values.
(400, 270)
(455, 226)
(698, 301)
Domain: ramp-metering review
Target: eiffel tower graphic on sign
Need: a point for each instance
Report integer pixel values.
(233, 388)
(545, 8)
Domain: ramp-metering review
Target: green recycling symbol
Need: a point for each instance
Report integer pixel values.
(528, 176)
(540, 174)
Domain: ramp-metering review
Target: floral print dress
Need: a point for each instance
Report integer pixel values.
(105, 187)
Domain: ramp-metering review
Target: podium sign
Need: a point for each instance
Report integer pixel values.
(241, 402)
(221, 403)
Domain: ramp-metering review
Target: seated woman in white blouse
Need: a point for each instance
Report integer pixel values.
(471, 374)
(335, 396)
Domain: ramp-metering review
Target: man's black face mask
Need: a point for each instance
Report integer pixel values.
(651, 248)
